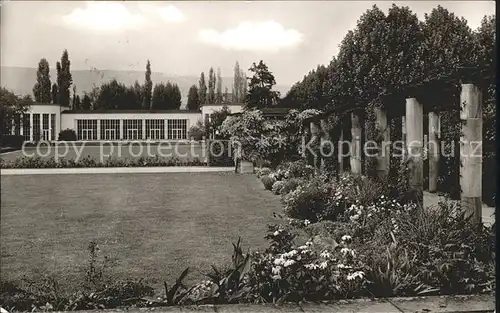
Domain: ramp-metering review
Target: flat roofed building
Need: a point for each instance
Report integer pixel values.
(45, 121)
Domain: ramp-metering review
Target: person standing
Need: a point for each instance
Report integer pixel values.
(237, 156)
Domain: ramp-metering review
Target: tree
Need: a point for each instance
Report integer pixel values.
(449, 42)
(94, 95)
(42, 88)
(237, 83)
(260, 93)
(54, 93)
(218, 96)
(73, 102)
(86, 102)
(10, 106)
(77, 104)
(115, 96)
(225, 97)
(139, 94)
(193, 101)
(166, 97)
(176, 98)
(216, 120)
(243, 86)
(64, 79)
(211, 86)
(202, 89)
(148, 87)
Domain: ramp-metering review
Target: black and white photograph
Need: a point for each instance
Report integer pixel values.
(248, 156)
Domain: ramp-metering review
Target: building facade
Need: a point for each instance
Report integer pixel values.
(46, 121)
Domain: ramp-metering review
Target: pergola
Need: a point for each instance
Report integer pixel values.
(429, 97)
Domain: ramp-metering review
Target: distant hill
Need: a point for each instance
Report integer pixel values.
(20, 80)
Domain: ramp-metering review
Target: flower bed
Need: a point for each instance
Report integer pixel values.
(402, 248)
(39, 162)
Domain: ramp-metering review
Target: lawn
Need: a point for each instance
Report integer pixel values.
(151, 226)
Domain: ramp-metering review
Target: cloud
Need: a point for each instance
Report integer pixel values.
(253, 36)
(104, 16)
(171, 14)
(168, 13)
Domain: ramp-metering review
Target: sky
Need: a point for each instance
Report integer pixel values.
(188, 37)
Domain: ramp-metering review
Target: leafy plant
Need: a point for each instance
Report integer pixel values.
(229, 282)
(67, 135)
(268, 182)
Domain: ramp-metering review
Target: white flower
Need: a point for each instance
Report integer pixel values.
(307, 222)
(325, 254)
(309, 243)
(311, 266)
(302, 247)
(288, 263)
(355, 275)
(355, 217)
(345, 251)
(323, 265)
(279, 261)
(276, 233)
(343, 266)
(346, 238)
(276, 270)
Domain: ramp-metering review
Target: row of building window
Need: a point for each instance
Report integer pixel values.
(132, 129)
(109, 128)
(22, 125)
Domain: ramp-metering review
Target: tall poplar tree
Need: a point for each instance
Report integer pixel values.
(202, 89)
(54, 93)
(148, 88)
(218, 96)
(42, 88)
(237, 83)
(64, 79)
(211, 86)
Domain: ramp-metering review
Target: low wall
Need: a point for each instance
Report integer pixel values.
(441, 304)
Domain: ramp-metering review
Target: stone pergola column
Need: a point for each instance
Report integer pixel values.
(340, 151)
(306, 136)
(325, 138)
(434, 150)
(355, 153)
(383, 158)
(471, 151)
(403, 138)
(414, 144)
(315, 137)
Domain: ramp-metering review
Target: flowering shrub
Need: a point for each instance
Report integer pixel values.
(290, 185)
(350, 189)
(304, 273)
(297, 169)
(310, 200)
(263, 171)
(277, 187)
(268, 181)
